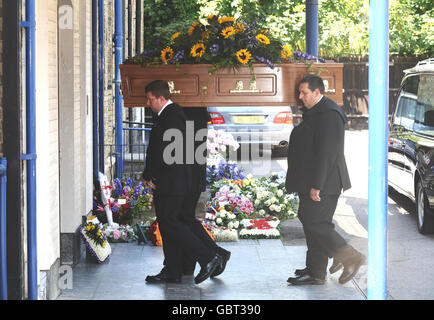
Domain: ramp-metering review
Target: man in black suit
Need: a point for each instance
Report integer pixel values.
(168, 174)
(198, 118)
(317, 171)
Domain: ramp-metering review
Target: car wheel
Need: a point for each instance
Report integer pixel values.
(424, 220)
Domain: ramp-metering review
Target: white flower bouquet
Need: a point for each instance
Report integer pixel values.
(260, 228)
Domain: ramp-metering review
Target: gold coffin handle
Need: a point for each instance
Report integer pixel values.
(239, 88)
(172, 88)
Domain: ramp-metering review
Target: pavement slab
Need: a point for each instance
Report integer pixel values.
(257, 270)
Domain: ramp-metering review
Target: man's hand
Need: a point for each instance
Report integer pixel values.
(314, 194)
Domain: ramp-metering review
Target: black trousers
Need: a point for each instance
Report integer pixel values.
(179, 237)
(322, 239)
(189, 218)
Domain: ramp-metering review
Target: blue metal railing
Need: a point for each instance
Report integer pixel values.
(134, 143)
(3, 256)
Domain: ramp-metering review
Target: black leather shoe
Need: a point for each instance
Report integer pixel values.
(163, 277)
(219, 270)
(305, 280)
(301, 272)
(336, 266)
(351, 268)
(206, 271)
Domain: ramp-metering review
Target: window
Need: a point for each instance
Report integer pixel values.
(407, 101)
(424, 121)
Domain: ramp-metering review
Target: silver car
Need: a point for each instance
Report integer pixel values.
(266, 127)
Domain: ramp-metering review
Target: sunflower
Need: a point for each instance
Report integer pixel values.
(243, 56)
(286, 52)
(166, 54)
(239, 27)
(262, 38)
(226, 19)
(191, 30)
(175, 35)
(197, 50)
(227, 32)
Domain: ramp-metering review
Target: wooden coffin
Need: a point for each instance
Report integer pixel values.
(193, 86)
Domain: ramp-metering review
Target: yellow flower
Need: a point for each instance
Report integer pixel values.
(239, 27)
(227, 32)
(262, 38)
(211, 16)
(197, 50)
(243, 56)
(175, 35)
(226, 19)
(166, 54)
(286, 52)
(191, 30)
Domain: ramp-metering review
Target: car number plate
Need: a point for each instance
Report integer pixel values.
(248, 119)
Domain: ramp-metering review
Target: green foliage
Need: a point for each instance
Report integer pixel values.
(343, 24)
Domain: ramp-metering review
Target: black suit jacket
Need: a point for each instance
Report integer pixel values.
(170, 176)
(200, 117)
(316, 151)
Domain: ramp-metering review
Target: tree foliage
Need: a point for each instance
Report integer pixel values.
(343, 24)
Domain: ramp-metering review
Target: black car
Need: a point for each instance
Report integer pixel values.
(411, 142)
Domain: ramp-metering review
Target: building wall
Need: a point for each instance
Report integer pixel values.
(47, 168)
(58, 240)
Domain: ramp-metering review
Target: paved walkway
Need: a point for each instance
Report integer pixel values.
(257, 270)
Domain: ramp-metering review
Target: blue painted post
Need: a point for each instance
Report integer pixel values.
(118, 38)
(95, 87)
(3, 230)
(31, 151)
(378, 135)
(101, 85)
(312, 27)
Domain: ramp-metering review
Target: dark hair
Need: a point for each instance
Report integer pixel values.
(314, 82)
(158, 88)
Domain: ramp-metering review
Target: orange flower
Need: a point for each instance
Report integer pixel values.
(155, 234)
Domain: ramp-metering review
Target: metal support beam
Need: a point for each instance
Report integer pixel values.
(101, 28)
(118, 39)
(378, 135)
(32, 256)
(95, 87)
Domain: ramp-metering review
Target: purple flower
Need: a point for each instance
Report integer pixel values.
(214, 48)
(178, 56)
(118, 186)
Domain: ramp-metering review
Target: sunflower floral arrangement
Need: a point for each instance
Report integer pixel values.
(223, 42)
(93, 235)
